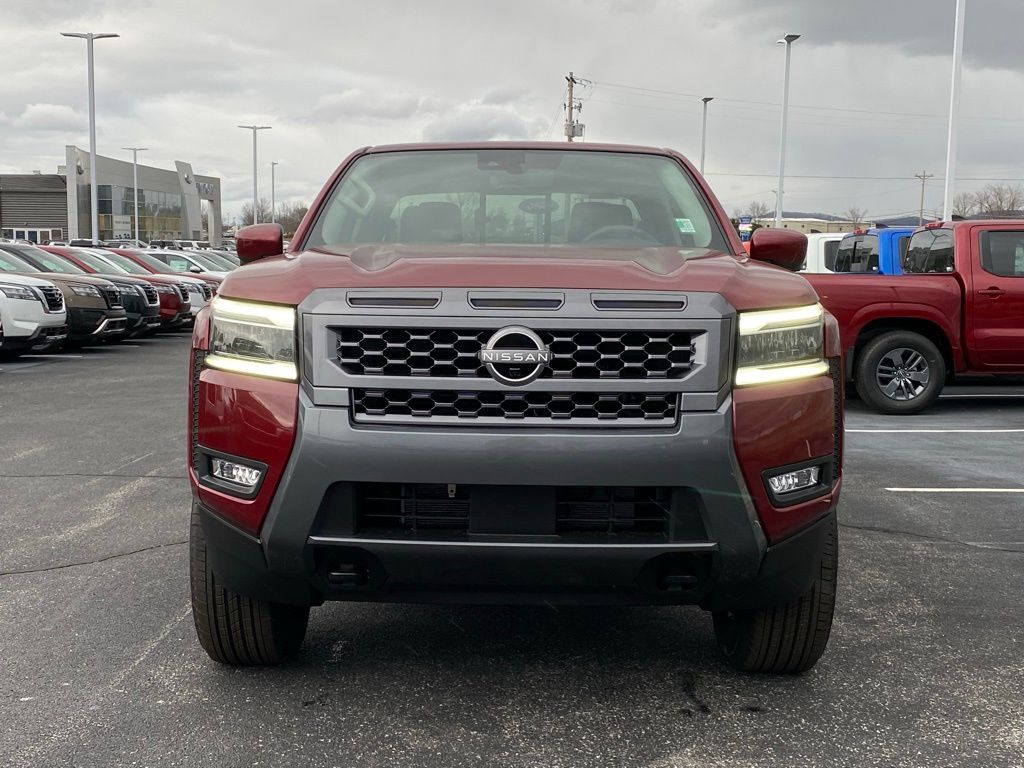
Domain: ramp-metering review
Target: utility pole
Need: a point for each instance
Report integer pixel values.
(255, 198)
(923, 177)
(573, 128)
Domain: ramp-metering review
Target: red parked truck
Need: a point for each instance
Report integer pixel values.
(515, 372)
(957, 310)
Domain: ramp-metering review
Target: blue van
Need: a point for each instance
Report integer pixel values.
(879, 250)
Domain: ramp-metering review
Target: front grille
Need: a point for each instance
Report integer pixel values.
(198, 356)
(182, 291)
(441, 406)
(410, 508)
(576, 354)
(152, 297)
(207, 292)
(836, 370)
(54, 298)
(112, 296)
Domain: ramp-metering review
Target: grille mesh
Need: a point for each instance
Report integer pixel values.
(54, 298)
(576, 354)
(520, 407)
(112, 296)
(152, 297)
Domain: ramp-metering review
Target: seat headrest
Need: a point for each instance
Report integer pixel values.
(586, 218)
(432, 222)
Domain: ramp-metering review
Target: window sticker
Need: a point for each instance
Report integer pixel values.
(686, 226)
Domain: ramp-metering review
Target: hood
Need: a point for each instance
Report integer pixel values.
(64, 277)
(744, 283)
(15, 278)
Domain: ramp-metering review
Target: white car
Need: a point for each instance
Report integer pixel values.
(821, 251)
(32, 314)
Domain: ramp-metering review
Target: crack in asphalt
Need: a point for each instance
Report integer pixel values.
(93, 562)
(89, 474)
(926, 537)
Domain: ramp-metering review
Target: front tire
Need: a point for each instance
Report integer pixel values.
(900, 373)
(234, 629)
(789, 638)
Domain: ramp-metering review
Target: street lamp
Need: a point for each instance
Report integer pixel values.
(273, 207)
(135, 183)
(704, 131)
(255, 201)
(788, 40)
(89, 37)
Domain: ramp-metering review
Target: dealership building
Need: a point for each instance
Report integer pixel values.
(41, 206)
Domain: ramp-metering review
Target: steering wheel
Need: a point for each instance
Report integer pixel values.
(621, 233)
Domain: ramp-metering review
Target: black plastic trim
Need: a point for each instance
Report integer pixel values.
(823, 487)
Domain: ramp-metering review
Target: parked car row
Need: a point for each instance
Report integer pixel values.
(878, 250)
(54, 296)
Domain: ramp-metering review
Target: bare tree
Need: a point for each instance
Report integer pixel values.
(262, 208)
(964, 204)
(759, 210)
(999, 199)
(855, 215)
(290, 215)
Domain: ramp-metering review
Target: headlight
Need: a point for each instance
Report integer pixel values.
(128, 290)
(165, 289)
(256, 339)
(17, 292)
(781, 345)
(85, 290)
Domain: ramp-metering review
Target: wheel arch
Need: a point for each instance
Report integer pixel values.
(926, 327)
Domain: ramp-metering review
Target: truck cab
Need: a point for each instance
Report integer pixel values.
(821, 252)
(878, 250)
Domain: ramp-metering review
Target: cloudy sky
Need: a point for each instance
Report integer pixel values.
(870, 86)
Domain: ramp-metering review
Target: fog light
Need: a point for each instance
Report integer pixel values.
(800, 480)
(235, 473)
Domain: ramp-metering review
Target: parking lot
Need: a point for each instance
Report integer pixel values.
(101, 666)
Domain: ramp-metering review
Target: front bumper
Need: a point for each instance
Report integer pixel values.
(85, 323)
(309, 549)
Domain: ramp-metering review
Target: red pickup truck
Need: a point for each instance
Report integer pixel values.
(957, 310)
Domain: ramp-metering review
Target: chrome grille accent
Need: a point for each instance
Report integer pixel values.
(182, 291)
(454, 352)
(207, 292)
(515, 408)
(152, 297)
(53, 297)
(112, 296)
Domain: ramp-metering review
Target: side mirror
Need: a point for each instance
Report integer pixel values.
(782, 247)
(194, 269)
(258, 241)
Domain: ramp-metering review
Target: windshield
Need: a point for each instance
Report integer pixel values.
(538, 198)
(125, 264)
(94, 261)
(11, 263)
(206, 261)
(219, 261)
(53, 262)
(156, 264)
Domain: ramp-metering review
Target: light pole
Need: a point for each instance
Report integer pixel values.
(89, 37)
(135, 183)
(788, 40)
(954, 109)
(273, 207)
(704, 131)
(255, 200)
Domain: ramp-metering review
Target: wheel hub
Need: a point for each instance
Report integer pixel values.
(903, 374)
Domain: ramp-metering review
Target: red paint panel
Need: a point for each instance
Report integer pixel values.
(779, 424)
(251, 418)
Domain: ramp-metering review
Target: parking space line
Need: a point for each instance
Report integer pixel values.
(956, 396)
(935, 431)
(956, 490)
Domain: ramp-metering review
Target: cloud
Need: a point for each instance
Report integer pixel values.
(49, 117)
(481, 122)
(355, 104)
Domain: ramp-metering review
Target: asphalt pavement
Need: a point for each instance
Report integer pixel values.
(99, 665)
